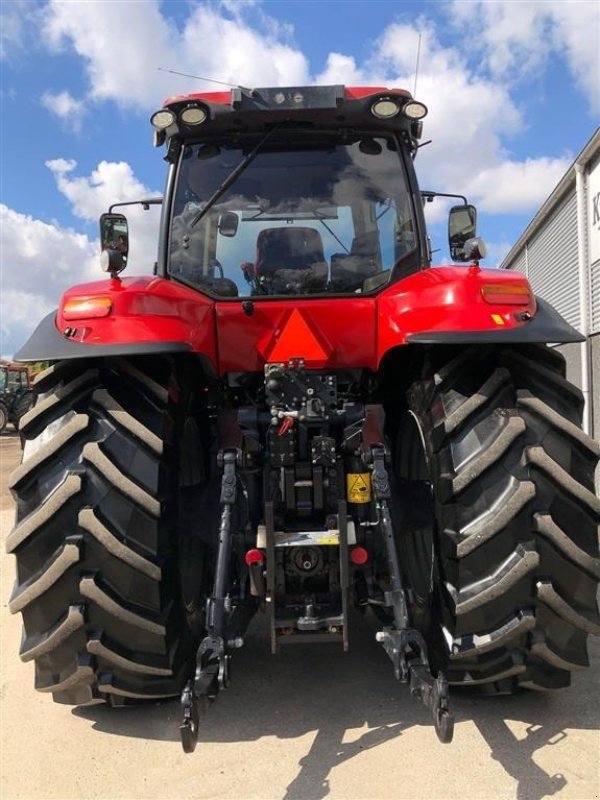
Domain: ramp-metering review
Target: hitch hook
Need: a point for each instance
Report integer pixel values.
(188, 730)
(443, 720)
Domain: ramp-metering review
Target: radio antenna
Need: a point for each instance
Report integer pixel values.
(208, 80)
(417, 65)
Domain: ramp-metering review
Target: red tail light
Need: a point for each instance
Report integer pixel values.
(254, 557)
(359, 556)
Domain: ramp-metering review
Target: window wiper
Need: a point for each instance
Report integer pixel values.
(232, 177)
(321, 219)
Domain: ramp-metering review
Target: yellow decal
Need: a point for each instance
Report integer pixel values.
(324, 540)
(358, 486)
(498, 319)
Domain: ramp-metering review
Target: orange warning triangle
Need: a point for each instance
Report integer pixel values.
(297, 341)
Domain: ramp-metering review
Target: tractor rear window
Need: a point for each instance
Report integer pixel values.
(326, 220)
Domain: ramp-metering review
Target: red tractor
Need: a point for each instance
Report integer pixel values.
(297, 415)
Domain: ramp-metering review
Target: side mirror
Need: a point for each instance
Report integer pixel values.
(462, 226)
(228, 224)
(114, 242)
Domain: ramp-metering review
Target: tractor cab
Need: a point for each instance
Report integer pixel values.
(309, 191)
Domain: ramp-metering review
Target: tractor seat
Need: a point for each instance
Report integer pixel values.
(288, 248)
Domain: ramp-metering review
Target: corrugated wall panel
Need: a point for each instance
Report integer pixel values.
(552, 261)
(595, 297)
(520, 262)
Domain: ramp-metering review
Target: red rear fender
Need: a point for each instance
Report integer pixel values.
(448, 300)
(441, 305)
(136, 311)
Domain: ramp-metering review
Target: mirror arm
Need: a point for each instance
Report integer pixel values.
(429, 196)
(145, 204)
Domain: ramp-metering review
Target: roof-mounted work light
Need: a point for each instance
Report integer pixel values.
(162, 119)
(193, 115)
(385, 108)
(414, 110)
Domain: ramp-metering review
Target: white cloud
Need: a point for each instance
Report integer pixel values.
(577, 31)
(19, 309)
(472, 115)
(64, 106)
(517, 186)
(13, 29)
(470, 118)
(45, 258)
(211, 44)
(340, 69)
(515, 39)
(92, 195)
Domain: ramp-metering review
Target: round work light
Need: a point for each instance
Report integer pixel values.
(414, 110)
(193, 115)
(162, 119)
(385, 108)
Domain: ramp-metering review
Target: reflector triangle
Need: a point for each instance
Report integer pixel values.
(297, 340)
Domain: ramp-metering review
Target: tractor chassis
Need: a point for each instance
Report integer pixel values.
(404, 644)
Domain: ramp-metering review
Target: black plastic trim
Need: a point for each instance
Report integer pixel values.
(47, 344)
(546, 327)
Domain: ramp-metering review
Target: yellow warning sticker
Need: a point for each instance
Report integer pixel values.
(499, 320)
(326, 540)
(358, 487)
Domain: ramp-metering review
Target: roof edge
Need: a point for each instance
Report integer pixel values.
(587, 153)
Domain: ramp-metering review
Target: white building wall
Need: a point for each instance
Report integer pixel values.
(549, 253)
(595, 297)
(552, 260)
(593, 214)
(520, 262)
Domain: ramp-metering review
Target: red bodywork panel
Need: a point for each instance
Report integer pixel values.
(333, 332)
(144, 309)
(446, 299)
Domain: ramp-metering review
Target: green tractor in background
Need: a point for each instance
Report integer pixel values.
(16, 397)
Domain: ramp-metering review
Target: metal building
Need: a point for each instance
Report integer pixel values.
(559, 251)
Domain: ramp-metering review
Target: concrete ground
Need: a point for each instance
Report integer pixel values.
(307, 724)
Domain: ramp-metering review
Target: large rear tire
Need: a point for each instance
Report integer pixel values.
(95, 536)
(503, 556)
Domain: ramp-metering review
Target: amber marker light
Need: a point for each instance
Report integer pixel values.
(506, 294)
(86, 307)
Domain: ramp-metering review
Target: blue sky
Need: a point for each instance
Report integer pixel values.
(512, 88)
